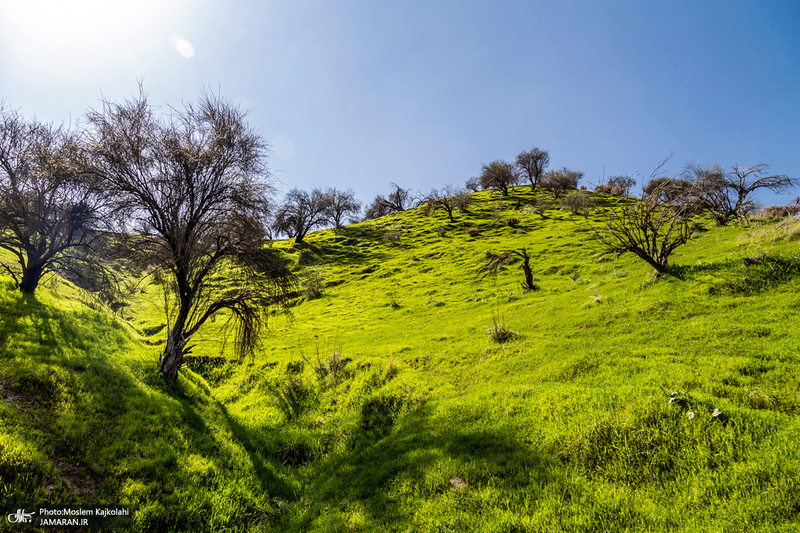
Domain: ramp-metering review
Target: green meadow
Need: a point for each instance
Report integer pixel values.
(404, 393)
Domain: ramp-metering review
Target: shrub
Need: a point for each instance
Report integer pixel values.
(313, 280)
(560, 181)
(577, 201)
(333, 370)
(540, 205)
(500, 332)
(781, 211)
(378, 414)
(511, 222)
(493, 263)
(462, 201)
(441, 231)
(304, 257)
(473, 232)
(603, 189)
(293, 399)
(295, 367)
(391, 236)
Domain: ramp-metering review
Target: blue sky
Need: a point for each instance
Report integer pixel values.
(357, 94)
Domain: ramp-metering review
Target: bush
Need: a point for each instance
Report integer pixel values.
(293, 399)
(781, 211)
(391, 236)
(378, 414)
(577, 201)
(540, 205)
(511, 222)
(462, 202)
(499, 332)
(295, 367)
(333, 370)
(304, 257)
(473, 232)
(441, 231)
(313, 280)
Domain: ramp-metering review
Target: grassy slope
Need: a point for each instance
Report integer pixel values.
(424, 423)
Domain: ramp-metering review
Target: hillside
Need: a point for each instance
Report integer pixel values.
(616, 402)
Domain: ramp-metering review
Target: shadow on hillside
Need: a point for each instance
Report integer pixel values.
(427, 457)
(102, 430)
(349, 245)
(257, 448)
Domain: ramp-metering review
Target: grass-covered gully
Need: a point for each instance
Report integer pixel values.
(405, 392)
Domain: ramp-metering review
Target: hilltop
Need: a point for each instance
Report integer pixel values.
(404, 393)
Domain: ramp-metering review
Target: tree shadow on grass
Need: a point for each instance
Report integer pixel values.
(98, 426)
(429, 457)
(258, 449)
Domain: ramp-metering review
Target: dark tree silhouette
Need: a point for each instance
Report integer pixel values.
(341, 204)
(194, 187)
(50, 214)
(498, 175)
(398, 200)
(531, 164)
(301, 212)
(448, 199)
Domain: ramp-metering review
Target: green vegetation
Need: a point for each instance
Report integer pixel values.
(404, 394)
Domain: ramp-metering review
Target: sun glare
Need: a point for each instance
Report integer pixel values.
(69, 37)
(183, 46)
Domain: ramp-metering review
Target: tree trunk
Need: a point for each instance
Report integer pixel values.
(30, 279)
(658, 267)
(172, 359)
(526, 269)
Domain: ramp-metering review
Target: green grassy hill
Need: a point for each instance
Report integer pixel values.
(384, 403)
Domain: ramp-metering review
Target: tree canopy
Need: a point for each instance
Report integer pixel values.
(50, 213)
(193, 189)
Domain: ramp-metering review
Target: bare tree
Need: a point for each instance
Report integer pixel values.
(498, 175)
(709, 188)
(50, 214)
(473, 184)
(669, 190)
(560, 181)
(531, 164)
(398, 200)
(194, 187)
(301, 212)
(494, 262)
(648, 228)
(341, 203)
(448, 199)
(725, 194)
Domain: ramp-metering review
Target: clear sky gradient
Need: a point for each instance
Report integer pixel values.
(357, 94)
